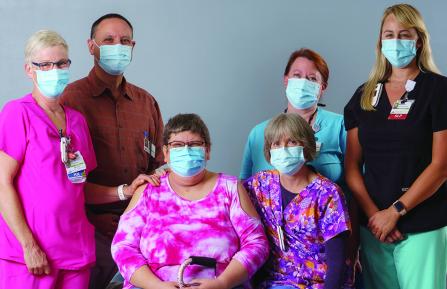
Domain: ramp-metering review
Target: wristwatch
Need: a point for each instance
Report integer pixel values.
(400, 208)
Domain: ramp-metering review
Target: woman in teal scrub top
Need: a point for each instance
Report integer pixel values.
(305, 80)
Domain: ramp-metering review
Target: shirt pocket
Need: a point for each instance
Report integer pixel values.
(136, 143)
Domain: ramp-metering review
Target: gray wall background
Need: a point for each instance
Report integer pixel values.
(221, 59)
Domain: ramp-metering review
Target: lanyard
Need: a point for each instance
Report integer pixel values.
(312, 117)
(279, 219)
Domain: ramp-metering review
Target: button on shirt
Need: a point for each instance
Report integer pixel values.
(117, 128)
(396, 152)
(53, 207)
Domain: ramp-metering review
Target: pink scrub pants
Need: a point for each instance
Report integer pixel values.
(16, 276)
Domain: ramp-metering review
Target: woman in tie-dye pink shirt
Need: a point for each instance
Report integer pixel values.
(193, 212)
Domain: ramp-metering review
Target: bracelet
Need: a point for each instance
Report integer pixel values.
(120, 192)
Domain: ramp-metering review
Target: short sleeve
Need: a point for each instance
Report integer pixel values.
(252, 185)
(333, 217)
(438, 105)
(351, 111)
(14, 128)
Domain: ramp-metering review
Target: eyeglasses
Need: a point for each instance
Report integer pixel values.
(179, 144)
(48, 65)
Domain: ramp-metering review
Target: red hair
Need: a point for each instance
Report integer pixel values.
(316, 58)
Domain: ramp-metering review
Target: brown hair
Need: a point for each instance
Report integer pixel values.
(186, 122)
(313, 56)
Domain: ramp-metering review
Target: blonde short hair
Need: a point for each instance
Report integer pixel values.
(40, 40)
(293, 126)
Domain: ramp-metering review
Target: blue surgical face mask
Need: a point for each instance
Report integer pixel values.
(287, 160)
(52, 83)
(399, 52)
(114, 58)
(302, 93)
(187, 161)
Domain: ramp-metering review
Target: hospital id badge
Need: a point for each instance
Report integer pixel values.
(318, 146)
(148, 146)
(76, 169)
(401, 109)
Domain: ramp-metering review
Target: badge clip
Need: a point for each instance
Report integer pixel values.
(409, 85)
(64, 144)
(378, 92)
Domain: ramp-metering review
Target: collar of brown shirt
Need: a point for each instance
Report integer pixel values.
(98, 86)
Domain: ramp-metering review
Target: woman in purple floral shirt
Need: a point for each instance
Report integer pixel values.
(304, 213)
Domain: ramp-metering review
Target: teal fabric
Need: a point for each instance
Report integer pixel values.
(330, 131)
(419, 261)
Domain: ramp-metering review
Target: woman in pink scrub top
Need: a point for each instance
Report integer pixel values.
(45, 155)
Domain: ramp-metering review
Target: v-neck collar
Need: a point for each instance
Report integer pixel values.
(45, 116)
(276, 199)
(384, 96)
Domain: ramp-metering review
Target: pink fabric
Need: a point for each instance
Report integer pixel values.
(16, 276)
(53, 206)
(164, 229)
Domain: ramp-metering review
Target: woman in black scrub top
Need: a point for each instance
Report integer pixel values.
(396, 158)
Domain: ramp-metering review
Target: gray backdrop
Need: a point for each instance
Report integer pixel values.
(221, 59)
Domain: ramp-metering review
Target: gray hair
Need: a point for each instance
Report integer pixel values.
(293, 126)
(40, 40)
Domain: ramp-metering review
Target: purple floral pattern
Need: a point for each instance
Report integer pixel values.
(317, 214)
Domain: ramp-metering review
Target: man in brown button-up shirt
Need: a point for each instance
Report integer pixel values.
(120, 116)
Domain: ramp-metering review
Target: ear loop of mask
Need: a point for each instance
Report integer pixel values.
(99, 47)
